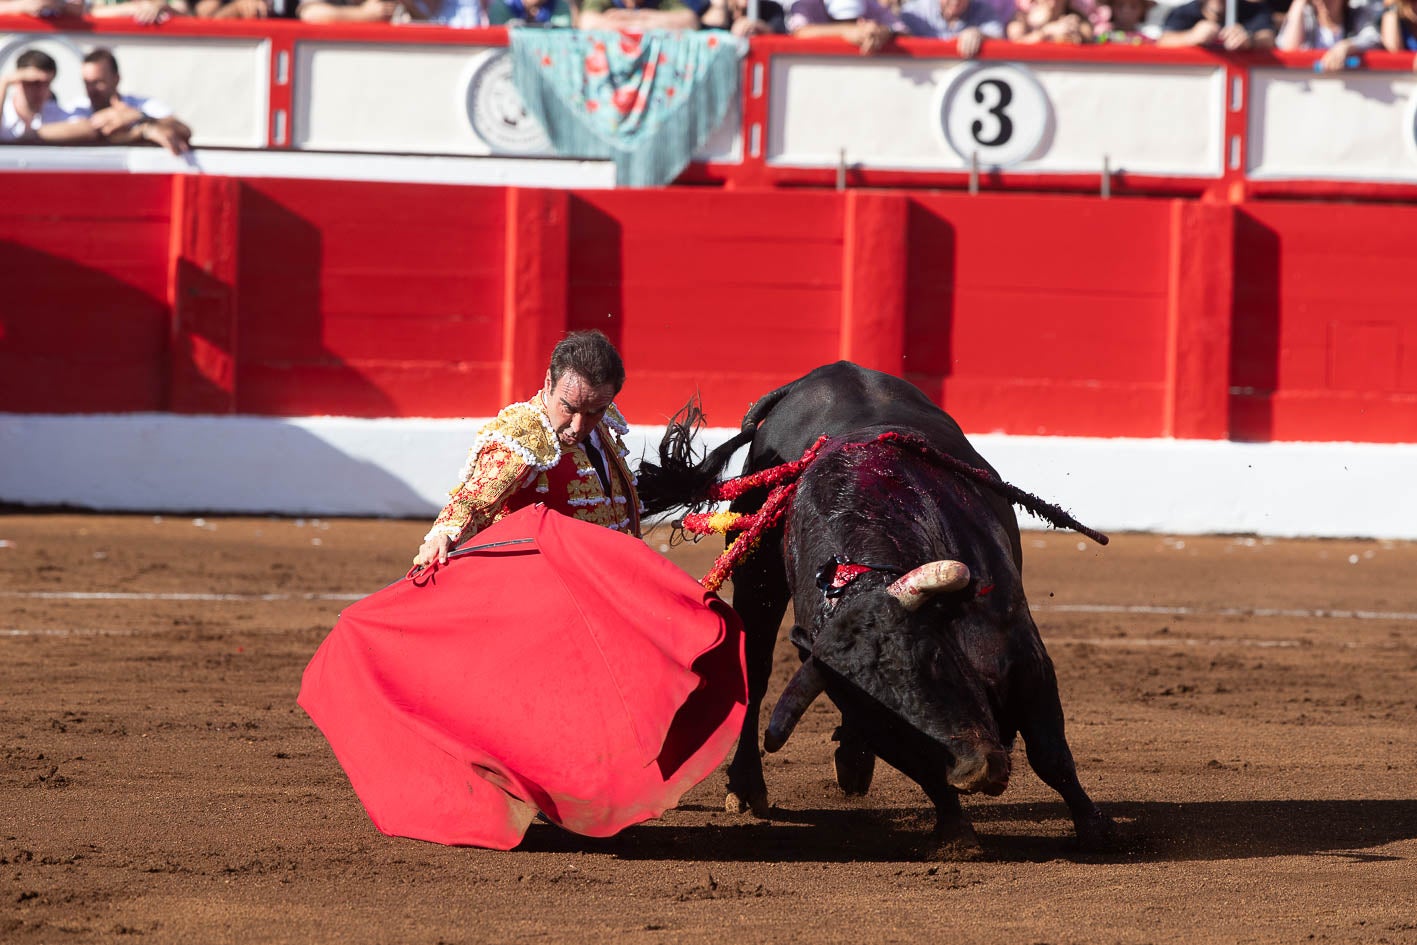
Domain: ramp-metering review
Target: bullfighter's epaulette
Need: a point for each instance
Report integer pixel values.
(525, 430)
(616, 421)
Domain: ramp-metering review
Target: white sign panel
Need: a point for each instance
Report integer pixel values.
(888, 113)
(1355, 125)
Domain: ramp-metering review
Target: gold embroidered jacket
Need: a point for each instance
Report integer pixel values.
(516, 460)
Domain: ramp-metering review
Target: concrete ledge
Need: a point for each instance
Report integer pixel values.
(403, 468)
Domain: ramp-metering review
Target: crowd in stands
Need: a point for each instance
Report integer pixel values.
(1341, 28)
(30, 113)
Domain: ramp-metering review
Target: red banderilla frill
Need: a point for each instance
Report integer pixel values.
(781, 480)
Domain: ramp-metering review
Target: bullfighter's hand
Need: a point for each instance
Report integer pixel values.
(434, 549)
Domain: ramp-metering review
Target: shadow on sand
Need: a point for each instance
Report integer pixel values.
(1151, 832)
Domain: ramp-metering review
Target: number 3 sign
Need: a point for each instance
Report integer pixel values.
(995, 110)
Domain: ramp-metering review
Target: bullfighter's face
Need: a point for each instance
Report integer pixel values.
(575, 406)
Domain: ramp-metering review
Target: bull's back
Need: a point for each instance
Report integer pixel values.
(847, 400)
(838, 398)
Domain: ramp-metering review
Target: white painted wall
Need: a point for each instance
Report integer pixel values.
(403, 468)
(486, 171)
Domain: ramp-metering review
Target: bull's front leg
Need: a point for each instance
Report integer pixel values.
(760, 596)
(1048, 754)
(854, 761)
(954, 838)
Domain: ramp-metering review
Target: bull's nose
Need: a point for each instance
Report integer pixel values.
(985, 772)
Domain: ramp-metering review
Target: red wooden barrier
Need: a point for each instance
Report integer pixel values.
(1024, 314)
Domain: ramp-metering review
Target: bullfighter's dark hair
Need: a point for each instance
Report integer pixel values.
(104, 55)
(590, 355)
(37, 59)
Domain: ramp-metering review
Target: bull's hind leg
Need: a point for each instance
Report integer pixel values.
(760, 596)
(1052, 760)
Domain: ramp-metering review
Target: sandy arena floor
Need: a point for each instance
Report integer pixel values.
(1246, 709)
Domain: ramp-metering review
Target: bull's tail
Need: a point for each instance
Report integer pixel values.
(683, 476)
(683, 479)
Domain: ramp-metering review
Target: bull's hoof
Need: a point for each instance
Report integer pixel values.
(1098, 834)
(958, 850)
(956, 844)
(757, 803)
(854, 768)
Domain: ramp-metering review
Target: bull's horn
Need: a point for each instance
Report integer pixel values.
(933, 578)
(802, 690)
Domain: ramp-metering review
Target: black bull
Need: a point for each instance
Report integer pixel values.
(936, 683)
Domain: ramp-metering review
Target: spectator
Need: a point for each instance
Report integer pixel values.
(464, 14)
(1334, 26)
(29, 113)
(42, 8)
(126, 119)
(1202, 22)
(1399, 27)
(245, 9)
(1124, 21)
(966, 21)
(348, 11)
(146, 12)
(863, 23)
(1051, 21)
(640, 15)
(733, 15)
(530, 13)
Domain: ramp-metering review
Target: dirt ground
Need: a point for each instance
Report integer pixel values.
(1246, 710)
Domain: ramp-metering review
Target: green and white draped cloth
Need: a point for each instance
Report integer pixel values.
(648, 101)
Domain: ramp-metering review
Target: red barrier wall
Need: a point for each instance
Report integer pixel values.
(1024, 314)
(1329, 347)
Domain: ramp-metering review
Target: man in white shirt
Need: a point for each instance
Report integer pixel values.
(29, 114)
(126, 119)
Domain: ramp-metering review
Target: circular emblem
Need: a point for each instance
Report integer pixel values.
(496, 111)
(997, 111)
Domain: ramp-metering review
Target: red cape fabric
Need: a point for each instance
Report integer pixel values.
(579, 674)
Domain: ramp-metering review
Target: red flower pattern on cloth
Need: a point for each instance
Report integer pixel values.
(596, 63)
